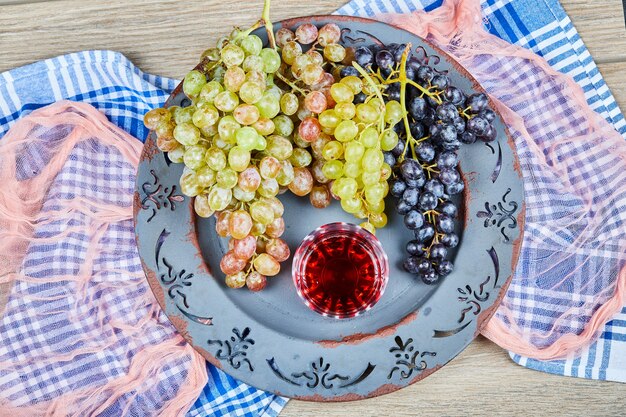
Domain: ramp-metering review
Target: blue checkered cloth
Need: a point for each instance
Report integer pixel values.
(112, 84)
(543, 27)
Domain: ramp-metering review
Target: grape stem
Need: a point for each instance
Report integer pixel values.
(372, 84)
(290, 84)
(269, 27)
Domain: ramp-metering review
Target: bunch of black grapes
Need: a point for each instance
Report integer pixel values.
(426, 178)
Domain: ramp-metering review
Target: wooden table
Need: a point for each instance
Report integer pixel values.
(166, 37)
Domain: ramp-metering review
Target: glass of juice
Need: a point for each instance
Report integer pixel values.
(340, 270)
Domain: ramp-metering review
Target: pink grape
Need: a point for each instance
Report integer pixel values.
(309, 129)
(276, 228)
(230, 264)
(256, 281)
(306, 33)
(278, 249)
(239, 224)
(244, 248)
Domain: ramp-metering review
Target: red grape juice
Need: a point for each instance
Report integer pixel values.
(340, 270)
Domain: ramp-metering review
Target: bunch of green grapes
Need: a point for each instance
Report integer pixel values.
(237, 151)
(354, 159)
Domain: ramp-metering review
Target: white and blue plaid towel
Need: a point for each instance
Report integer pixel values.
(112, 84)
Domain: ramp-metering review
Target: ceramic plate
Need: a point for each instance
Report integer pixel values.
(271, 340)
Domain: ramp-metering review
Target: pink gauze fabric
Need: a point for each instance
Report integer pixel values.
(81, 333)
(570, 278)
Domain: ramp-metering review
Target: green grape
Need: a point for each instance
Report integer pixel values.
(369, 137)
(345, 187)
(243, 196)
(351, 205)
(367, 113)
(290, 52)
(209, 91)
(246, 114)
(194, 156)
(262, 212)
(246, 138)
(300, 158)
(272, 88)
(253, 63)
(277, 206)
(226, 101)
(182, 115)
(332, 150)
(346, 131)
(213, 54)
(341, 93)
(373, 160)
(354, 151)
(298, 66)
(346, 111)
(209, 131)
(269, 188)
(260, 144)
(201, 206)
(289, 104)
(284, 125)
(227, 127)
(238, 158)
(301, 143)
(286, 174)
(215, 158)
(367, 226)
(269, 167)
(388, 140)
(311, 73)
(222, 144)
(264, 126)
(385, 172)
(352, 169)
(374, 193)
(205, 176)
(370, 178)
(258, 77)
(316, 57)
(329, 118)
(333, 169)
(186, 134)
(227, 178)
(217, 74)
(231, 55)
(219, 198)
(355, 83)
(334, 52)
(393, 112)
(176, 155)
(251, 45)
(376, 208)
(205, 116)
(318, 145)
(271, 60)
(378, 220)
(279, 147)
(233, 78)
(156, 117)
(269, 105)
(193, 83)
(189, 184)
(251, 92)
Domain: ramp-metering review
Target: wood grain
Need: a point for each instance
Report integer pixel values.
(166, 37)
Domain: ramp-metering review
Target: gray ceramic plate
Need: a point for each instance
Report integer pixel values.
(270, 339)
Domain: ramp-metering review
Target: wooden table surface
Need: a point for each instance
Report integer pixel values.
(166, 36)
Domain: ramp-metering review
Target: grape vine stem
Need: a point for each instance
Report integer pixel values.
(269, 27)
